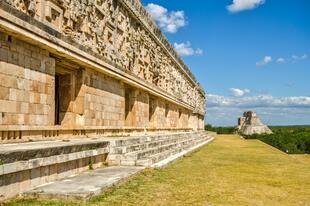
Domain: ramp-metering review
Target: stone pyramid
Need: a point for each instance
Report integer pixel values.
(251, 124)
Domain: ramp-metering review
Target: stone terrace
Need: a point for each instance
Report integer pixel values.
(85, 84)
(26, 166)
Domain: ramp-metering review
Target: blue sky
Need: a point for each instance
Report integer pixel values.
(247, 54)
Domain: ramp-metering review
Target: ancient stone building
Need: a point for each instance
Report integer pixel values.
(73, 73)
(88, 68)
(251, 124)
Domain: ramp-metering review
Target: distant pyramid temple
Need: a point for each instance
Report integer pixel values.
(250, 124)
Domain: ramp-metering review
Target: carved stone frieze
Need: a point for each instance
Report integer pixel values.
(109, 28)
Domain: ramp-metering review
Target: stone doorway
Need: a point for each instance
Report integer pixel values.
(68, 83)
(152, 112)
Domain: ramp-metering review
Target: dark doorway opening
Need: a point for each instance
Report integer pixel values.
(57, 100)
(129, 104)
(152, 108)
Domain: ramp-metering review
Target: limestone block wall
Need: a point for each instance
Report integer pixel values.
(173, 116)
(201, 122)
(141, 108)
(26, 83)
(21, 181)
(104, 100)
(161, 114)
(183, 118)
(193, 121)
(87, 65)
(87, 97)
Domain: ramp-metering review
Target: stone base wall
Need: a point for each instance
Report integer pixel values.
(26, 166)
(15, 183)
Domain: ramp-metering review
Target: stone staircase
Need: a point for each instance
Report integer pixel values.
(146, 151)
(27, 165)
(135, 152)
(30, 168)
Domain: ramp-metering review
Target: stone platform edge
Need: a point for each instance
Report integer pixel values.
(39, 193)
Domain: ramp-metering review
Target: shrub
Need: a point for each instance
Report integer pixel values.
(289, 139)
(221, 130)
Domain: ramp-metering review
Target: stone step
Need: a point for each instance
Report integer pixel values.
(152, 138)
(152, 159)
(131, 158)
(27, 165)
(146, 145)
(92, 183)
(26, 156)
(149, 151)
(121, 148)
(174, 157)
(146, 162)
(83, 186)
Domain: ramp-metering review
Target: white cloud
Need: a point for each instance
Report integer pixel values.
(169, 21)
(199, 51)
(292, 59)
(239, 92)
(185, 49)
(280, 60)
(296, 58)
(241, 5)
(224, 111)
(257, 101)
(227, 116)
(266, 60)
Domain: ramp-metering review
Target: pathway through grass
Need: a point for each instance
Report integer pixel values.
(229, 171)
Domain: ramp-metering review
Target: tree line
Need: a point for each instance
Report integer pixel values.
(289, 139)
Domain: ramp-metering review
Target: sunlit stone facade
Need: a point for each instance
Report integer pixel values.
(82, 68)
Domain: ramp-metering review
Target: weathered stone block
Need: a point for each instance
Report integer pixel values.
(9, 168)
(20, 119)
(8, 81)
(43, 99)
(37, 98)
(13, 57)
(4, 93)
(35, 175)
(4, 53)
(8, 106)
(24, 107)
(21, 60)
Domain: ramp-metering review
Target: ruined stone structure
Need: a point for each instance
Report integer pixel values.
(83, 70)
(250, 124)
(89, 67)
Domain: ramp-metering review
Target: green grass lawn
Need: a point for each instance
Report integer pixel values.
(229, 171)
